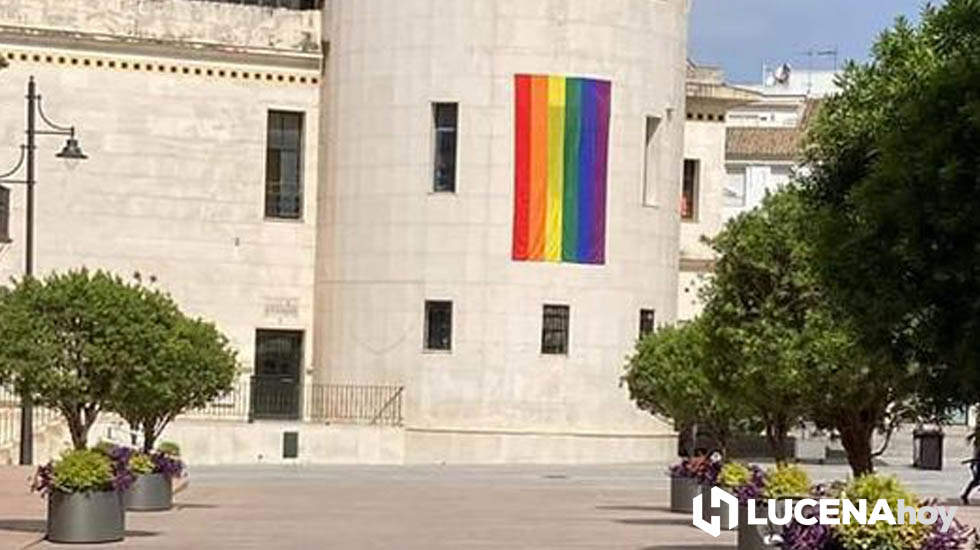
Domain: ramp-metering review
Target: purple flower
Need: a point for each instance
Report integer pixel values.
(167, 464)
(43, 479)
(700, 468)
(955, 538)
(752, 489)
(122, 477)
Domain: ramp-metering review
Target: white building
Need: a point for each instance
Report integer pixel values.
(764, 136)
(338, 189)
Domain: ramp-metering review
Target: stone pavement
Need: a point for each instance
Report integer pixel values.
(419, 507)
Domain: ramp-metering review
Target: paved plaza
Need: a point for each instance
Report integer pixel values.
(419, 507)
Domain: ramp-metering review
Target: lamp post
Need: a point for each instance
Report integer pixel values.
(71, 152)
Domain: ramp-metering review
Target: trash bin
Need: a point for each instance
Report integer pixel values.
(927, 449)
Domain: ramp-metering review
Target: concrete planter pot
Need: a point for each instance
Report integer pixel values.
(682, 493)
(720, 511)
(150, 493)
(96, 516)
(756, 537)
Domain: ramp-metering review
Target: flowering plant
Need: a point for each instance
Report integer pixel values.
(81, 471)
(700, 468)
(745, 482)
(139, 463)
(167, 464)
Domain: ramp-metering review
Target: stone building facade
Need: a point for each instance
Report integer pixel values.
(335, 188)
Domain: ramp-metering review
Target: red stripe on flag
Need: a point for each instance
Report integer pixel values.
(522, 164)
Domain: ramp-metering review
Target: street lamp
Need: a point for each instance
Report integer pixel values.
(71, 152)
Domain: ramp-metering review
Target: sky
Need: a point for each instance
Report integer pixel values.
(741, 35)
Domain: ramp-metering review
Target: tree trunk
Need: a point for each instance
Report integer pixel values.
(79, 435)
(776, 437)
(856, 439)
(149, 438)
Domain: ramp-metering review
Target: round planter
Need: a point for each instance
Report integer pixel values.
(756, 537)
(150, 493)
(96, 516)
(682, 493)
(721, 511)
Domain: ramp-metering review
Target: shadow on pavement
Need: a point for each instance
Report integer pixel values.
(655, 521)
(192, 506)
(40, 526)
(635, 508)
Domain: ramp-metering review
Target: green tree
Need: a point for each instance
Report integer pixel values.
(666, 376)
(893, 163)
(190, 366)
(782, 345)
(68, 341)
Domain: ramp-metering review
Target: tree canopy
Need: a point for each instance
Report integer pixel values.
(87, 342)
(70, 339)
(666, 376)
(894, 179)
(782, 346)
(190, 366)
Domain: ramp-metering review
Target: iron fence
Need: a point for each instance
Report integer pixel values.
(356, 404)
(233, 405)
(286, 4)
(333, 403)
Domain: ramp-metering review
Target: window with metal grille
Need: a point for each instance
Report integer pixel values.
(4, 215)
(647, 319)
(284, 165)
(689, 194)
(444, 118)
(554, 330)
(278, 353)
(438, 325)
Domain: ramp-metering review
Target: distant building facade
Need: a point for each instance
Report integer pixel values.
(473, 202)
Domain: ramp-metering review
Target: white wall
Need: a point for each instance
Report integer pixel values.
(386, 244)
(173, 187)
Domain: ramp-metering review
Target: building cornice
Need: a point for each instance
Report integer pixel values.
(115, 45)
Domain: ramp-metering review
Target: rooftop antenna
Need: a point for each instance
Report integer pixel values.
(813, 53)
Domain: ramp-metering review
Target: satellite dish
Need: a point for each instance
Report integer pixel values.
(781, 74)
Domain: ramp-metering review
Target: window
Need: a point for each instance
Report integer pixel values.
(647, 318)
(689, 193)
(554, 330)
(4, 215)
(444, 118)
(735, 188)
(275, 389)
(284, 165)
(278, 353)
(438, 325)
(650, 164)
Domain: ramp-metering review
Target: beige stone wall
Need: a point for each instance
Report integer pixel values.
(705, 142)
(386, 244)
(174, 187)
(191, 22)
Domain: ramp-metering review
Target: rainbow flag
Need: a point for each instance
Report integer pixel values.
(561, 149)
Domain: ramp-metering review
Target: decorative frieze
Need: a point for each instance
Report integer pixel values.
(162, 66)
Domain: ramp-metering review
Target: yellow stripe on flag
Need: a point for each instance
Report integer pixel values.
(556, 167)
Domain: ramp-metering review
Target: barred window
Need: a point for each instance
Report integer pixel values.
(284, 165)
(444, 118)
(554, 330)
(4, 215)
(438, 325)
(647, 319)
(278, 353)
